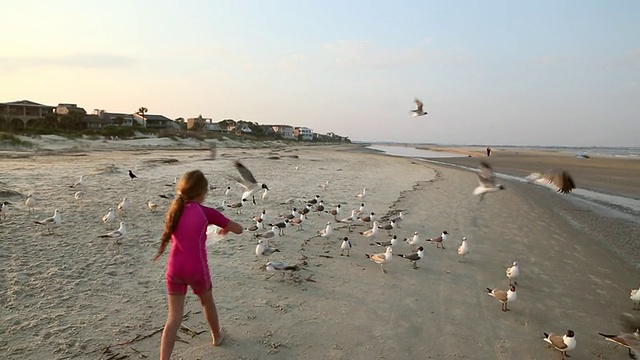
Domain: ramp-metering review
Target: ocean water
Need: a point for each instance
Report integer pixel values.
(411, 151)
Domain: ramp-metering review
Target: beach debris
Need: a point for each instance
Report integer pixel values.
(487, 179)
(419, 108)
(345, 246)
(559, 180)
(173, 184)
(512, 272)
(463, 249)
(52, 222)
(562, 343)
(78, 195)
(505, 297)
(381, 258)
(440, 239)
(414, 256)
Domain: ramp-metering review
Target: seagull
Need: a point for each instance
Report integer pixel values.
(226, 192)
(371, 233)
(110, 217)
(349, 220)
(264, 250)
(562, 343)
(152, 207)
(169, 196)
(4, 206)
(320, 206)
(327, 231)
(238, 206)
(269, 234)
(381, 258)
(175, 180)
(281, 226)
(262, 217)
(222, 206)
(368, 219)
(123, 205)
(294, 213)
(299, 221)
(324, 186)
(116, 234)
(414, 256)
(362, 194)
(78, 195)
(398, 219)
(390, 226)
(306, 210)
(635, 297)
(414, 240)
(505, 297)
(629, 340)
(314, 200)
(265, 195)
(52, 222)
(512, 272)
(280, 266)
(248, 181)
(346, 245)
(391, 243)
(418, 112)
(78, 183)
(335, 212)
(440, 239)
(463, 249)
(560, 180)
(30, 202)
(487, 181)
(132, 175)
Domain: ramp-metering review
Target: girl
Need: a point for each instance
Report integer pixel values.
(186, 228)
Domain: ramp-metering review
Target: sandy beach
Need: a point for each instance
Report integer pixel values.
(73, 295)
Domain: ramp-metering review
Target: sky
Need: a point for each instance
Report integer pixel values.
(547, 73)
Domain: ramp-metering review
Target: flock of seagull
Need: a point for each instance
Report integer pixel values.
(559, 180)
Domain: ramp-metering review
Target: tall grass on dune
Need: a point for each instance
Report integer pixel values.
(12, 140)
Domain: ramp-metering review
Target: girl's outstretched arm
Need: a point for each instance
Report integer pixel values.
(233, 227)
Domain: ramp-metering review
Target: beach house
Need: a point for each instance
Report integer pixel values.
(19, 113)
(303, 133)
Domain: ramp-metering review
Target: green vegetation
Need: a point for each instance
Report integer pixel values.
(7, 138)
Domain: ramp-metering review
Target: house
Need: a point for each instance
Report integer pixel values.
(242, 127)
(152, 121)
(303, 133)
(94, 121)
(64, 109)
(286, 131)
(197, 123)
(20, 112)
(267, 130)
(119, 119)
(211, 126)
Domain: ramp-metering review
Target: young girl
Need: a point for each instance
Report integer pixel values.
(186, 228)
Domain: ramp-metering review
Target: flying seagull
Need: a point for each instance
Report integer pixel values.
(418, 112)
(560, 180)
(487, 181)
(248, 181)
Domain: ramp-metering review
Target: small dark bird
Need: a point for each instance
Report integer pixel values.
(132, 175)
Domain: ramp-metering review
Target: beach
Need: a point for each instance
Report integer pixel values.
(73, 295)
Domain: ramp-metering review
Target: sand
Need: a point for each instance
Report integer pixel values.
(74, 295)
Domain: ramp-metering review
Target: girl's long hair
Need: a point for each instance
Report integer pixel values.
(191, 186)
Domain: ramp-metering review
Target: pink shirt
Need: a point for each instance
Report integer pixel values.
(188, 254)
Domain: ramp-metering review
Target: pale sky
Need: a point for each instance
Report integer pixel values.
(489, 72)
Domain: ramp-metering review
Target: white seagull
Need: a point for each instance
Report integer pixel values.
(487, 179)
(345, 246)
(559, 180)
(635, 297)
(418, 111)
(512, 272)
(116, 234)
(78, 183)
(52, 222)
(248, 181)
(391, 243)
(563, 343)
(381, 258)
(371, 233)
(110, 217)
(269, 234)
(505, 297)
(4, 207)
(463, 249)
(263, 249)
(414, 240)
(414, 256)
(362, 194)
(440, 239)
(30, 202)
(152, 207)
(327, 231)
(123, 205)
(280, 266)
(627, 339)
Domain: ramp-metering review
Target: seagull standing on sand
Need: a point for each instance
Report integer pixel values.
(110, 217)
(270, 234)
(226, 192)
(414, 256)
(560, 180)
(348, 220)
(371, 233)
(629, 340)
(4, 207)
(362, 194)
(381, 258)
(248, 181)
(635, 297)
(78, 183)
(280, 266)
(123, 205)
(562, 343)
(281, 226)
(238, 206)
(418, 111)
(327, 231)
(52, 222)
(463, 249)
(335, 212)
(414, 240)
(152, 207)
(505, 297)
(30, 202)
(116, 234)
(487, 181)
(263, 249)
(345, 246)
(440, 239)
(132, 175)
(512, 272)
(391, 243)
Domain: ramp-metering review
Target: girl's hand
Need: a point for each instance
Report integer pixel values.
(223, 232)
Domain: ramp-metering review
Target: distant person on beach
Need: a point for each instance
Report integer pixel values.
(186, 229)
(488, 151)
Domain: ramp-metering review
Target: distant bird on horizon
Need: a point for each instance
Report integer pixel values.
(418, 112)
(132, 175)
(559, 180)
(487, 181)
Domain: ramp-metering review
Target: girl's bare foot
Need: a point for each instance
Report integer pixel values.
(218, 338)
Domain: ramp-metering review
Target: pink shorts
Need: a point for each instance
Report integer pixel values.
(178, 286)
